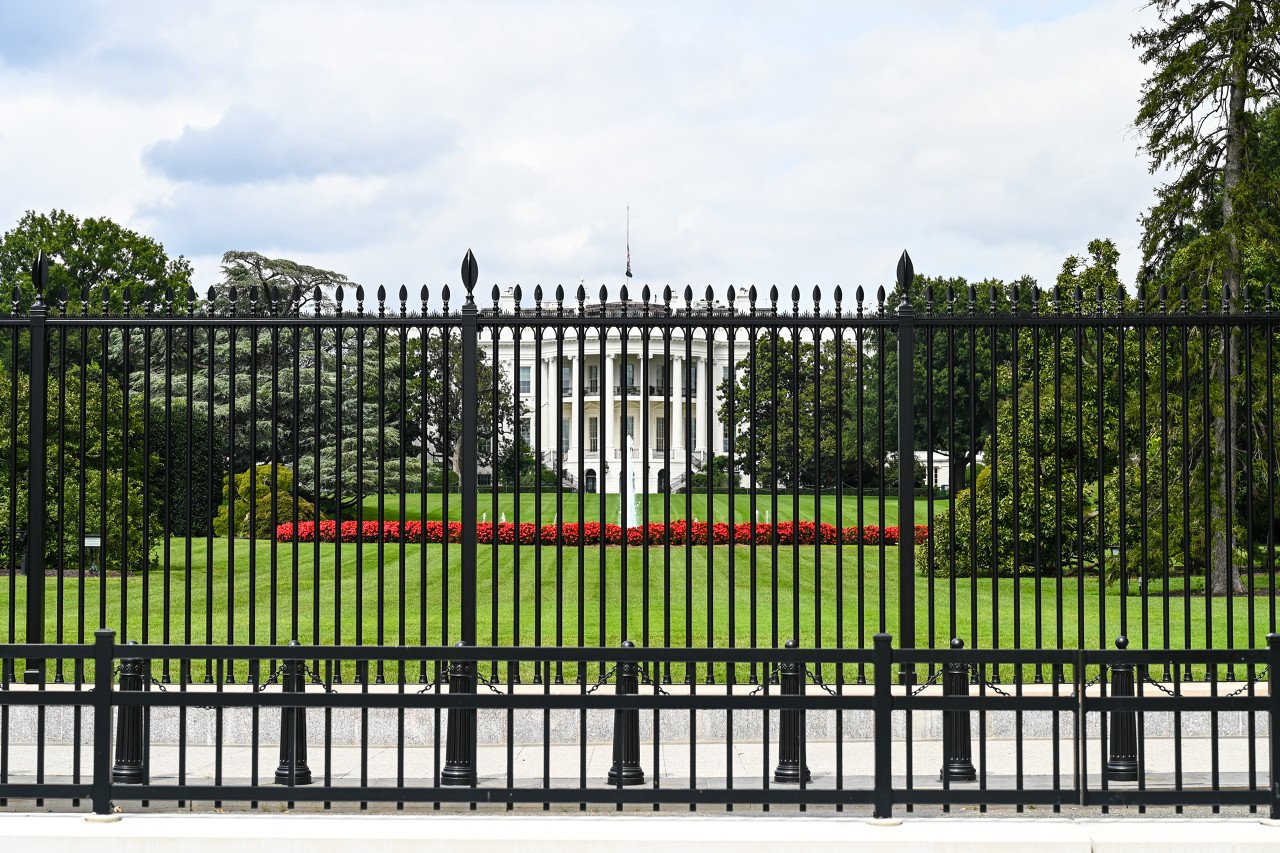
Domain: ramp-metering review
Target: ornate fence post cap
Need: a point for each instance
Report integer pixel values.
(470, 273)
(1122, 642)
(957, 643)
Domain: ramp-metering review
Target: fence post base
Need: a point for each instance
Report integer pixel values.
(293, 768)
(626, 768)
(790, 770)
(460, 740)
(131, 727)
(1122, 759)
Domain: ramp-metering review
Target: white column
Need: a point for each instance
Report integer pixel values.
(607, 431)
(677, 405)
(701, 406)
(716, 425)
(575, 411)
(548, 415)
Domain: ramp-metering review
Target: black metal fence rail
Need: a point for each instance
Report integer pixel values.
(1111, 460)
(817, 743)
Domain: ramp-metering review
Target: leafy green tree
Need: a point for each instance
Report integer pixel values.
(784, 380)
(1215, 68)
(953, 370)
(99, 473)
(93, 256)
(284, 287)
(1033, 508)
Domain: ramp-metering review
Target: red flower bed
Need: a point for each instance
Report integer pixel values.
(595, 533)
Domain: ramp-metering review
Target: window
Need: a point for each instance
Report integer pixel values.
(660, 440)
(593, 377)
(724, 440)
(484, 478)
(691, 379)
(593, 434)
(692, 433)
(526, 380)
(631, 375)
(661, 378)
(566, 379)
(526, 430)
(631, 426)
(564, 435)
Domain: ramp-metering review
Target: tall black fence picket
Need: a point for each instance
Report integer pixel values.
(1018, 467)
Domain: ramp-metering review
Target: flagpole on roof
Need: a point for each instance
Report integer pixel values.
(628, 241)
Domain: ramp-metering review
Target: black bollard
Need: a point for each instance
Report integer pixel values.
(626, 728)
(131, 727)
(957, 750)
(790, 727)
(1122, 763)
(460, 743)
(293, 769)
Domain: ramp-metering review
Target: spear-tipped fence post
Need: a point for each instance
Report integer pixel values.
(790, 726)
(293, 768)
(626, 768)
(957, 760)
(1122, 760)
(131, 726)
(39, 387)
(1273, 703)
(460, 740)
(906, 464)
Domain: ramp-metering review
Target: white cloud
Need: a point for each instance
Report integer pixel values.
(383, 141)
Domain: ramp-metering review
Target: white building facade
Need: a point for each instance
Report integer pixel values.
(671, 413)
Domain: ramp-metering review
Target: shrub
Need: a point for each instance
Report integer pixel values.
(253, 515)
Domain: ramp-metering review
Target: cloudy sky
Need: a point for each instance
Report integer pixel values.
(755, 143)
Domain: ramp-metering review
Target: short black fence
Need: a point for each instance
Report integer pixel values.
(1102, 734)
(1059, 466)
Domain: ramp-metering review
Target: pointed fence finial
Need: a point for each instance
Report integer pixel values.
(470, 273)
(906, 272)
(40, 279)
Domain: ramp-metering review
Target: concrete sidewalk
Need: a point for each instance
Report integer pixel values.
(623, 834)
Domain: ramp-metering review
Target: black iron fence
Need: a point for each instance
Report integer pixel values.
(254, 466)
(1105, 735)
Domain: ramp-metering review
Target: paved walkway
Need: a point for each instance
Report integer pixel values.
(623, 834)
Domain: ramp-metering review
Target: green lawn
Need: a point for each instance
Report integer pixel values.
(681, 506)
(344, 604)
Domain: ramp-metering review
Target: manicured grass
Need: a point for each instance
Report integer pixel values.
(704, 599)
(682, 505)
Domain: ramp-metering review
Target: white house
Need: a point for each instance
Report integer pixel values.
(671, 398)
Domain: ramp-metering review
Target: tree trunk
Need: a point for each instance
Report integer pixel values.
(1223, 577)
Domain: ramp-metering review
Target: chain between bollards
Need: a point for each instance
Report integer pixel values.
(626, 768)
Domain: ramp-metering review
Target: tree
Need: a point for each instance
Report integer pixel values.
(96, 257)
(1215, 66)
(953, 370)
(1051, 444)
(784, 371)
(284, 287)
(98, 473)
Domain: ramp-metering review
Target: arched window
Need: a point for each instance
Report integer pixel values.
(589, 479)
